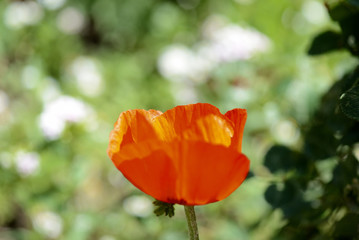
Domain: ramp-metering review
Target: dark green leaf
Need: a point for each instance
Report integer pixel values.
(339, 10)
(354, 2)
(278, 195)
(349, 103)
(347, 227)
(326, 42)
(351, 136)
(281, 158)
(345, 172)
(329, 126)
(320, 142)
(297, 209)
(350, 33)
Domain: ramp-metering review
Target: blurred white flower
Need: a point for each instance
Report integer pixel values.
(4, 102)
(51, 126)
(68, 109)
(27, 163)
(88, 77)
(70, 20)
(179, 63)
(286, 132)
(233, 42)
(63, 109)
(174, 62)
(139, 206)
(315, 12)
(52, 4)
(48, 223)
(222, 42)
(19, 14)
(30, 76)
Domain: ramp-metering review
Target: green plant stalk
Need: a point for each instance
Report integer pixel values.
(192, 223)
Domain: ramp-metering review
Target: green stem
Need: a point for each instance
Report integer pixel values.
(191, 221)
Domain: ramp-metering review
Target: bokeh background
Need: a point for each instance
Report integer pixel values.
(68, 68)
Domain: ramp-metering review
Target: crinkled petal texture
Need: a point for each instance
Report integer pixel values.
(189, 155)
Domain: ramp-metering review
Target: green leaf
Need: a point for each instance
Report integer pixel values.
(278, 158)
(354, 2)
(350, 32)
(320, 142)
(339, 10)
(349, 103)
(279, 195)
(347, 227)
(345, 172)
(281, 158)
(330, 126)
(326, 42)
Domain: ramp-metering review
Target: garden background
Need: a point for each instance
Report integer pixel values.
(68, 68)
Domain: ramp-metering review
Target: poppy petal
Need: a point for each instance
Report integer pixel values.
(209, 173)
(201, 121)
(184, 172)
(238, 117)
(154, 174)
(131, 126)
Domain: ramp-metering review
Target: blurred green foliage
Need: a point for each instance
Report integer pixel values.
(319, 195)
(68, 68)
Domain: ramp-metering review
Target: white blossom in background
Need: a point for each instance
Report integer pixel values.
(286, 132)
(315, 12)
(52, 4)
(222, 42)
(179, 63)
(88, 77)
(51, 126)
(60, 111)
(233, 42)
(27, 163)
(4, 102)
(48, 223)
(139, 206)
(71, 21)
(22, 13)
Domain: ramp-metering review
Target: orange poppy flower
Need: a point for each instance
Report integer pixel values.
(190, 155)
